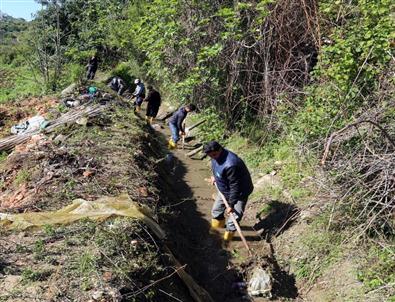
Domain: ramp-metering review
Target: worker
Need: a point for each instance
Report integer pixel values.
(153, 99)
(118, 85)
(139, 94)
(176, 124)
(92, 67)
(233, 180)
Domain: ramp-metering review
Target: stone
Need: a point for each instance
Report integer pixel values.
(68, 90)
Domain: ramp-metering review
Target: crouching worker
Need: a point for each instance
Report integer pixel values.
(233, 180)
(118, 85)
(176, 124)
(153, 99)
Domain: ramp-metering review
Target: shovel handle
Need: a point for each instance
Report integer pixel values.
(232, 216)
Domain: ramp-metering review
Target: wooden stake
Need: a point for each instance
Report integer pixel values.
(196, 125)
(194, 151)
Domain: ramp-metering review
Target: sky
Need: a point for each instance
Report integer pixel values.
(19, 8)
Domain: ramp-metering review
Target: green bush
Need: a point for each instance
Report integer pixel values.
(213, 128)
(125, 71)
(75, 73)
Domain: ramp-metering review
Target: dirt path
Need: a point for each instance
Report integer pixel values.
(213, 265)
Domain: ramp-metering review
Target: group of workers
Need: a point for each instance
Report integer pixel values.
(230, 174)
(117, 84)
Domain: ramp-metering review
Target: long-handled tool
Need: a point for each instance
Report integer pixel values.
(232, 216)
(183, 141)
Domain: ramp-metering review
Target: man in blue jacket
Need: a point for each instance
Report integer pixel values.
(176, 124)
(233, 180)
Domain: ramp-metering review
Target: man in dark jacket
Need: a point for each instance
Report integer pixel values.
(176, 124)
(233, 180)
(92, 67)
(154, 100)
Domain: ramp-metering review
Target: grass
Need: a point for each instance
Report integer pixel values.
(378, 267)
(22, 177)
(31, 275)
(86, 263)
(320, 248)
(16, 87)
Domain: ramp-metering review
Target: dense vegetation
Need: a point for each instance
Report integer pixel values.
(283, 75)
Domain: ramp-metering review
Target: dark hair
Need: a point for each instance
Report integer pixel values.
(212, 146)
(192, 107)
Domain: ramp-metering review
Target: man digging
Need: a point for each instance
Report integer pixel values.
(233, 180)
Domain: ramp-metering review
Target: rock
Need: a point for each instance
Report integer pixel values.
(107, 96)
(59, 139)
(307, 215)
(260, 283)
(143, 191)
(268, 180)
(82, 121)
(70, 102)
(107, 276)
(97, 295)
(134, 242)
(87, 173)
(156, 127)
(68, 91)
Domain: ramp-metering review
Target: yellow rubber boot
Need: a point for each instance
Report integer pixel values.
(217, 223)
(228, 236)
(151, 119)
(137, 109)
(172, 144)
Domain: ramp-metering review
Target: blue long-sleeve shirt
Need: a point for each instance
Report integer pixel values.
(178, 118)
(232, 177)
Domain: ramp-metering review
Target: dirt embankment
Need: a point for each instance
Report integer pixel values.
(116, 260)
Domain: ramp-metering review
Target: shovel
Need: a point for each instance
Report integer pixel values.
(183, 141)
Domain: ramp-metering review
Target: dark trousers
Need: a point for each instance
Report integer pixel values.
(219, 208)
(91, 73)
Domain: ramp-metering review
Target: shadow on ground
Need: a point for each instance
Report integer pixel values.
(284, 284)
(280, 218)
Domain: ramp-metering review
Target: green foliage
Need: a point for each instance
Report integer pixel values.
(10, 29)
(30, 275)
(39, 249)
(17, 82)
(75, 73)
(22, 177)
(213, 128)
(3, 156)
(86, 263)
(350, 64)
(125, 71)
(49, 230)
(378, 269)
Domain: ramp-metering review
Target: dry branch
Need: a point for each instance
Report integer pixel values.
(355, 124)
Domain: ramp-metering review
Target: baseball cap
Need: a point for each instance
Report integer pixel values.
(211, 146)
